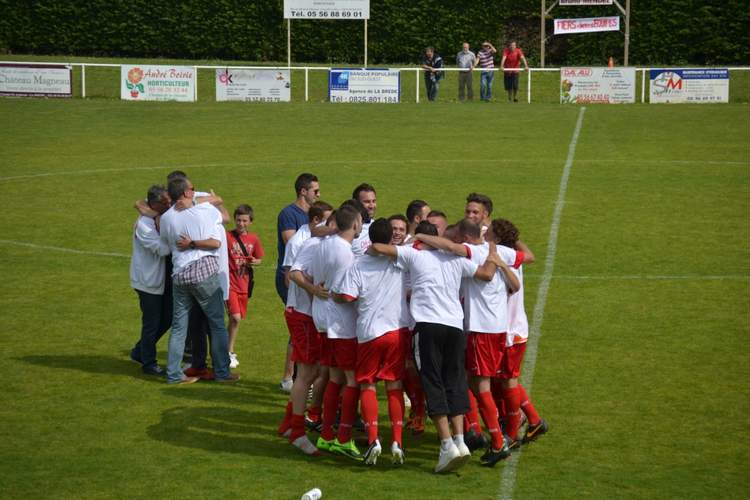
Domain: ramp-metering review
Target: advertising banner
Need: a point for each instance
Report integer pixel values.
(264, 85)
(597, 85)
(689, 85)
(369, 85)
(585, 2)
(157, 83)
(31, 80)
(326, 9)
(586, 25)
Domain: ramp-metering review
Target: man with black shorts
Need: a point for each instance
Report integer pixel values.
(511, 65)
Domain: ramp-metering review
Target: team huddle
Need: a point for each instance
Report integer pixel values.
(430, 309)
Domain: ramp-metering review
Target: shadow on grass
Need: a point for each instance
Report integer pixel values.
(90, 363)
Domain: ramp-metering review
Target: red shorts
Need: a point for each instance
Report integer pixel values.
(237, 303)
(512, 360)
(340, 353)
(383, 358)
(484, 353)
(305, 338)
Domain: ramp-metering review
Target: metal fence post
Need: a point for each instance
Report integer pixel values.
(306, 84)
(528, 87)
(416, 74)
(83, 81)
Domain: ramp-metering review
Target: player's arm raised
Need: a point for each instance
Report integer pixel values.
(383, 249)
(443, 244)
(528, 255)
(486, 271)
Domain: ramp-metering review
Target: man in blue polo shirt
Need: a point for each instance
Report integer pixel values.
(290, 219)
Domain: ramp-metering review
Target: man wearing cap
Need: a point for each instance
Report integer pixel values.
(486, 58)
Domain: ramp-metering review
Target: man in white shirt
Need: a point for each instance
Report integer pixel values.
(478, 210)
(376, 286)
(195, 240)
(416, 212)
(149, 266)
(439, 340)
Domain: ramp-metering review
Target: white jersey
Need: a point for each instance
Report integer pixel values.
(486, 302)
(436, 279)
(377, 284)
(334, 258)
(294, 244)
(198, 223)
(223, 255)
(362, 242)
(297, 298)
(518, 329)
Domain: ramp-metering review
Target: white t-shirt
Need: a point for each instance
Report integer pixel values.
(297, 297)
(224, 254)
(362, 242)
(334, 259)
(198, 223)
(378, 285)
(435, 282)
(518, 329)
(486, 302)
(147, 265)
(294, 244)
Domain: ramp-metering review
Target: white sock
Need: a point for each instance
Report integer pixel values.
(458, 439)
(445, 444)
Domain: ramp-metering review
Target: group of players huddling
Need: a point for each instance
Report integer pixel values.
(430, 309)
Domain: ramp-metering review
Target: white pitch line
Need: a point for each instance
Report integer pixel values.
(62, 249)
(508, 480)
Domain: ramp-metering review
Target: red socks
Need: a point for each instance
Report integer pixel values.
(348, 413)
(527, 407)
(369, 408)
(287, 422)
(512, 399)
(471, 420)
(490, 417)
(314, 413)
(330, 407)
(396, 413)
(298, 427)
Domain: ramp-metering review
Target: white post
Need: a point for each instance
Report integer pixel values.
(528, 87)
(195, 87)
(83, 81)
(365, 43)
(417, 73)
(306, 78)
(643, 86)
(289, 43)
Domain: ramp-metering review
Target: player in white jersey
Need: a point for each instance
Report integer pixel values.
(478, 210)
(513, 394)
(486, 323)
(416, 212)
(304, 336)
(439, 342)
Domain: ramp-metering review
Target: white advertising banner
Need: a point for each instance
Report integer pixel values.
(265, 85)
(157, 83)
(369, 85)
(31, 80)
(585, 2)
(586, 25)
(326, 9)
(693, 85)
(597, 85)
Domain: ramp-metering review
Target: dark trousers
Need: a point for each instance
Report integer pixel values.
(432, 86)
(156, 318)
(439, 352)
(465, 83)
(281, 288)
(198, 335)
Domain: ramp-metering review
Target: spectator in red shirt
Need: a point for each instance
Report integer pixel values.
(511, 64)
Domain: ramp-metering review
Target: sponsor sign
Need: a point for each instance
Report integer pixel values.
(585, 2)
(368, 85)
(689, 85)
(326, 9)
(157, 83)
(266, 85)
(586, 25)
(31, 80)
(597, 85)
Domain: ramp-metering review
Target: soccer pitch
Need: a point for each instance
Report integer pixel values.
(641, 366)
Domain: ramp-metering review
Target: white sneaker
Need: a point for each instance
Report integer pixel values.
(304, 444)
(407, 401)
(449, 459)
(286, 385)
(397, 454)
(233, 362)
(373, 452)
(463, 449)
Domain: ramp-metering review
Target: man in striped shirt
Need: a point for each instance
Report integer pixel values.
(486, 58)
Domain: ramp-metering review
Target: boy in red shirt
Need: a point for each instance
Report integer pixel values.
(245, 251)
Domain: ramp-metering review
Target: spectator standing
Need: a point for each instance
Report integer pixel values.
(511, 65)
(432, 63)
(486, 58)
(466, 59)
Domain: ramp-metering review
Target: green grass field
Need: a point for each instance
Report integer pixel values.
(642, 367)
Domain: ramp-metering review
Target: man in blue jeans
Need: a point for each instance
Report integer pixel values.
(486, 58)
(192, 235)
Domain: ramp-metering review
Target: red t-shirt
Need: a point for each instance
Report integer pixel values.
(512, 57)
(239, 277)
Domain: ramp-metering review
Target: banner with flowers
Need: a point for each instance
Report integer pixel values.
(157, 83)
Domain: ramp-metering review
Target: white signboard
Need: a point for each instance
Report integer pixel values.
(326, 9)
(586, 25)
(597, 85)
(266, 85)
(30, 80)
(369, 85)
(689, 85)
(585, 2)
(157, 83)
